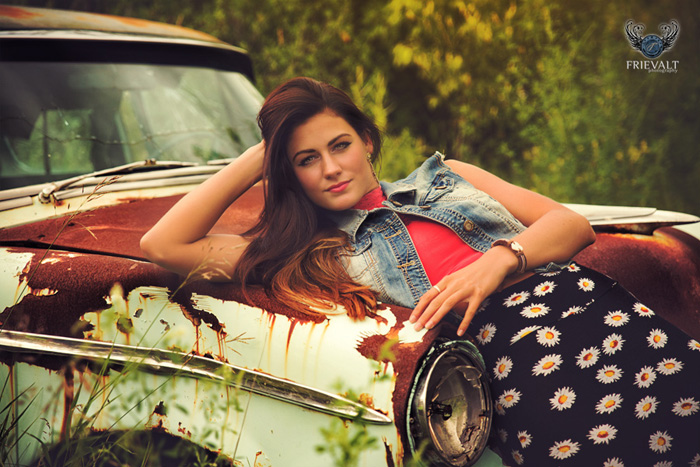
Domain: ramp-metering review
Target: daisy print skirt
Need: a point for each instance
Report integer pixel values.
(585, 375)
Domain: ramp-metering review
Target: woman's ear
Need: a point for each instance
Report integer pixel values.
(368, 144)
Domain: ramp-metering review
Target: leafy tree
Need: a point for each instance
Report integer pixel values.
(536, 91)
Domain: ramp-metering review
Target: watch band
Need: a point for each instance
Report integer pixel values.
(517, 249)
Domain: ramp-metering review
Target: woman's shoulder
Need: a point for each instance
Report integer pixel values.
(428, 169)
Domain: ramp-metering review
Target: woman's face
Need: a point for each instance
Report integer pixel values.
(330, 161)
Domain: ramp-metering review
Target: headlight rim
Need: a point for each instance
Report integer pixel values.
(467, 350)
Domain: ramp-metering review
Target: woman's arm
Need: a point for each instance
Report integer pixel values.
(180, 240)
(554, 233)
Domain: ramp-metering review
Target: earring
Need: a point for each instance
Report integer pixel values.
(369, 160)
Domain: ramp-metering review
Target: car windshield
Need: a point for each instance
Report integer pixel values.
(63, 119)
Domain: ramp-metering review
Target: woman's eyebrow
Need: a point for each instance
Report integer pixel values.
(310, 151)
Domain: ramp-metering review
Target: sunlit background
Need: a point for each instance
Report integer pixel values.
(538, 92)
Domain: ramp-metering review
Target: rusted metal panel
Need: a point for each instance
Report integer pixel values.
(113, 223)
(26, 18)
(116, 299)
(662, 270)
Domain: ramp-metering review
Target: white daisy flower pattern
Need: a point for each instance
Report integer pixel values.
(517, 457)
(660, 442)
(696, 461)
(669, 366)
(486, 333)
(642, 310)
(645, 407)
(509, 398)
(572, 311)
(516, 299)
(523, 332)
(663, 464)
(524, 438)
(657, 339)
(694, 345)
(573, 268)
(617, 318)
(602, 434)
(613, 462)
(547, 364)
(609, 374)
(609, 403)
(564, 449)
(588, 357)
(686, 406)
(544, 288)
(615, 364)
(535, 311)
(612, 344)
(503, 367)
(500, 410)
(548, 336)
(563, 398)
(645, 377)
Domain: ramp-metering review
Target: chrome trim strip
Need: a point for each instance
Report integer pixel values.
(192, 366)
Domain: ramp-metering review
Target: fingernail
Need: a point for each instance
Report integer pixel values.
(412, 319)
(460, 332)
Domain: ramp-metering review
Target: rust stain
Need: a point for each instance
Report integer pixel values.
(662, 270)
(157, 421)
(389, 455)
(183, 431)
(221, 341)
(407, 357)
(292, 324)
(117, 229)
(39, 18)
(17, 12)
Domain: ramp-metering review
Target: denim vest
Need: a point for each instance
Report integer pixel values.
(382, 255)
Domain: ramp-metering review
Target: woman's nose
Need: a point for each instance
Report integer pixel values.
(330, 166)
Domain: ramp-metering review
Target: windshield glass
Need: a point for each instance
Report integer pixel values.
(58, 120)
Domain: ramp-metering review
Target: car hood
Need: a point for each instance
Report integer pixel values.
(116, 229)
(84, 276)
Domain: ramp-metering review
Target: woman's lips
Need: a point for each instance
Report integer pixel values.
(337, 188)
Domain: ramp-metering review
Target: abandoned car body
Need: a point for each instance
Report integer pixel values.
(106, 122)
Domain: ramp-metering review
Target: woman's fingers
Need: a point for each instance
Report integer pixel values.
(424, 301)
(435, 304)
(468, 315)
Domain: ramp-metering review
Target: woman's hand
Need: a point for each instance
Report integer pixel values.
(554, 234)
(464, 290)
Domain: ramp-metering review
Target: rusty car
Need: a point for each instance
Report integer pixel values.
(105, 122)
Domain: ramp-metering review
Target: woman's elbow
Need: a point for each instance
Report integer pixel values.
(151, 248)
(587, 233)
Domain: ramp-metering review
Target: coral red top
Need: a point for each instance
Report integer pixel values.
(440, 249)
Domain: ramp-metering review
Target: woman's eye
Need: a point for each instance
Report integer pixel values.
(306, 161)
(342, 145)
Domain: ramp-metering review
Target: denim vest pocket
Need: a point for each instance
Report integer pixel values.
(441, 185)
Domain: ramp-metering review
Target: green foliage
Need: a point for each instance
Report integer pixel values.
(534, 91)
(346, 444)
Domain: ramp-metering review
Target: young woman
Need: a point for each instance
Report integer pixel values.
(583, 374)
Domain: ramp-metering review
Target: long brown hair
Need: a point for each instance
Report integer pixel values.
(296, 253)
